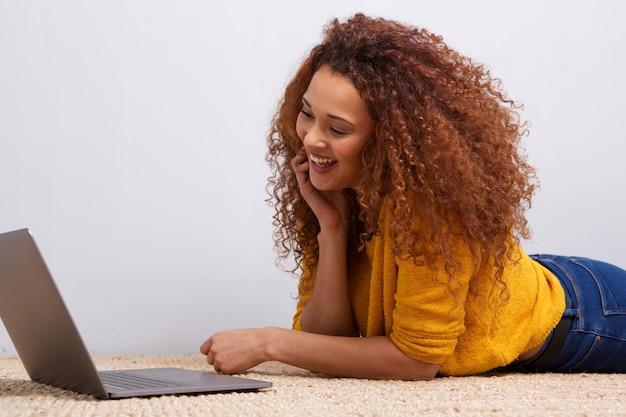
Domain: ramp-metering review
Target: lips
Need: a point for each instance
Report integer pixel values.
(321, 161)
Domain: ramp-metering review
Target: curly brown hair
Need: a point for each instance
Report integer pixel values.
(446, 136)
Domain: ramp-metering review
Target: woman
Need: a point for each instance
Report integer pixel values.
(400, 189)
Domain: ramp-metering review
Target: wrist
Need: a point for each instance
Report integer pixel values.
(271, 344)
(334, 235)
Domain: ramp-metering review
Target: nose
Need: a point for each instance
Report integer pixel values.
(314, 137)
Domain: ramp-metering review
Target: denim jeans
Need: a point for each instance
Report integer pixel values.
(595, 295)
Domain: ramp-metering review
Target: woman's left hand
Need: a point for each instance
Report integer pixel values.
(235, 351)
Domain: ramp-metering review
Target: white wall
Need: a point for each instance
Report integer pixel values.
(132, 142)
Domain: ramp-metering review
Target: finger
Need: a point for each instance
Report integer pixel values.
(299, 163)
(206, 347)
(210, 358)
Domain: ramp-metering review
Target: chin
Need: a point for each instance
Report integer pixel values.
(326, 183)
(325, 186)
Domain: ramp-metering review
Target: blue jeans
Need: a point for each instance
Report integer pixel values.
(595, 295)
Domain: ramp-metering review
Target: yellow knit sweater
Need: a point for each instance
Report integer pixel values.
(466, 331)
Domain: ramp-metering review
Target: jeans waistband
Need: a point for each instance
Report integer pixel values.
(558, 336)
(554, 345)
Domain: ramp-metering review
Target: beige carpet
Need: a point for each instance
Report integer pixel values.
(300, 393)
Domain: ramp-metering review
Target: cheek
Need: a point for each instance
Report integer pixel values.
(300, 130)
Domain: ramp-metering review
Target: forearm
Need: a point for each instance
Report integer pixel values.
(328, 311)
(367, 357)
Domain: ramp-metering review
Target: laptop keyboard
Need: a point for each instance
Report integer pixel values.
(132, 381)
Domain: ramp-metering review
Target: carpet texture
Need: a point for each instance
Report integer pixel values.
(300, 393)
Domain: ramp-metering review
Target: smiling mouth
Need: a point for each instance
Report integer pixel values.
(322, 162)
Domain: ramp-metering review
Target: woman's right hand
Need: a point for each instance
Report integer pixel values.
(330, 207)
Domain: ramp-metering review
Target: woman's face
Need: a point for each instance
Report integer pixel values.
(334, 125)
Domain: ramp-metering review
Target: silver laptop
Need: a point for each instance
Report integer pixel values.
(51, 349)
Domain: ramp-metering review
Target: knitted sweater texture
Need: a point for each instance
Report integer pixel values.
(462, 322)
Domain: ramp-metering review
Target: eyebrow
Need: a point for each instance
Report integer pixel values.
(331, 116)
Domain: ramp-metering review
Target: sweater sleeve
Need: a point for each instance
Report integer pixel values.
(429, 313)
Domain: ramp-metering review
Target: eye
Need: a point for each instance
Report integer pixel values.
(306, 114)
(338, 131)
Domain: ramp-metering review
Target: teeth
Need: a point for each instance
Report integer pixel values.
(321, 161)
